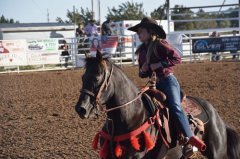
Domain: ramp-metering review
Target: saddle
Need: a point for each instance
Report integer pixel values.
(189, 105)
(156, 99)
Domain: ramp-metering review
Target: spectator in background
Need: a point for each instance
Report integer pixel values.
(214, 34)
(65, 53)
(81, 38)
(215, 56)
(80, 31)
(106, 30)
(91, 29)
(234, 52)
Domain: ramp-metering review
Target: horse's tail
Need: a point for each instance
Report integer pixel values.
(233, 144)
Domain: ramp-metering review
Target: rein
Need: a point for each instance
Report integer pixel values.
(133, 100)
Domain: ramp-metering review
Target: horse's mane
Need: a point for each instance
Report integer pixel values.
(93, 60)
(90, 61)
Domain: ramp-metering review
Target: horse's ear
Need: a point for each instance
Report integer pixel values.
(99, 55)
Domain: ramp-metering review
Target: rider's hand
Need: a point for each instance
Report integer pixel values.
(155, 66)
(145, 67)
(143, 74)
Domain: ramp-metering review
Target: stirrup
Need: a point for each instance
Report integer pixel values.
(187, 151)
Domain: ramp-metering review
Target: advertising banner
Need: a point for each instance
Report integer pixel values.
(42, 46)
(43, 51)
(12, 46)
(220, 44)
(13, 59)
(106, 44)
(13, 52)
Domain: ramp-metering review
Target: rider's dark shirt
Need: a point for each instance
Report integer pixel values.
(168, 57)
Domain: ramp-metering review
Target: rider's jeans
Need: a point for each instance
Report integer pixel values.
(170, 86)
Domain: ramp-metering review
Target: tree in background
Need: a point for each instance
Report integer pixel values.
(179, 9)
(5, 20)
(127, 11)
(233, 12)
(135, 11)
(81, 17)
(160, 13)
(205, 24)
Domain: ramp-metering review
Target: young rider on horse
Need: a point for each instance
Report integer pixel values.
(156, 55)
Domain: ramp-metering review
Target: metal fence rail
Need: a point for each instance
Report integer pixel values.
(124, 53)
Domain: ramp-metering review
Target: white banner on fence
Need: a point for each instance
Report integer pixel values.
(40, 58)
(80, 60)
(12, 46)
(175, 39)
(13, 52)
(44, 51)
(13, 59)
(43, 46)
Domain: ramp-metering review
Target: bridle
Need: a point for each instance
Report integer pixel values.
(105, 85)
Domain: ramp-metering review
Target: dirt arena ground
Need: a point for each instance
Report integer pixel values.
(37, 117)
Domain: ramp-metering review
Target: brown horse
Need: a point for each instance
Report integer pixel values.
(123, 135)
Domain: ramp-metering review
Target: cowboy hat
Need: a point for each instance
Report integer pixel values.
(149, 23)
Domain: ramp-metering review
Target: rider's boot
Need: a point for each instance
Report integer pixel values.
(188, 146)
(187, 150)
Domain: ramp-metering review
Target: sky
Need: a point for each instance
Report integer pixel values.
(34, 11)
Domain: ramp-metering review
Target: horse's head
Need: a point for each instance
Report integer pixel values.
(95, 83)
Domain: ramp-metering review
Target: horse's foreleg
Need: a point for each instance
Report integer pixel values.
(174, 153)
(163, 151)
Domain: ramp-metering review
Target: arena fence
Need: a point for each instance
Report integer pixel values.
(50, 54)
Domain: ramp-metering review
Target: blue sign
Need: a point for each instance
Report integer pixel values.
(219, 44)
